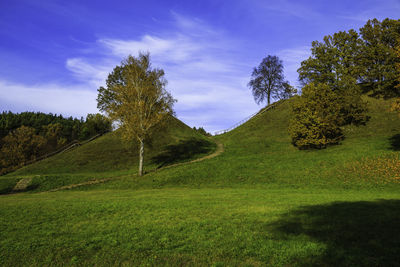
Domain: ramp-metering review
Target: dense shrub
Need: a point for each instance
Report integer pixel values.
(315, 121)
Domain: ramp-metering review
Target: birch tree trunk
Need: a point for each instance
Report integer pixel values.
(141, 153)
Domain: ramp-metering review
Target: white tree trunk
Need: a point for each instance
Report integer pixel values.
(141, 152)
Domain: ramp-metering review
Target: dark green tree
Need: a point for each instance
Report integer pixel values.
(333, 61)
(288, 91)
(267, 79)
(315, 121)
(202, 131)
(378, 56)
(96, 124)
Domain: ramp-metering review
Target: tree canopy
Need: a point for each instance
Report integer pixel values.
(136, 97)
(333, 61)
(379, 58)
(268, 80)
(367, 58)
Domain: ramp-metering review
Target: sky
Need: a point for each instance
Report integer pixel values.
(54, 55)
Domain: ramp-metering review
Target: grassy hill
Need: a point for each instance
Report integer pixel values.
(260, 153)
(109, 156)
(260, 203)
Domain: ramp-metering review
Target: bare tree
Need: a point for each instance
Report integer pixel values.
(267, 80)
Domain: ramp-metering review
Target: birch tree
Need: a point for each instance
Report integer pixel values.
(135, 97)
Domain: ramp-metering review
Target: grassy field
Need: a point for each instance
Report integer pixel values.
(261, 202)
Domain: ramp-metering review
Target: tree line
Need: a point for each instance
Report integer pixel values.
(28, 135)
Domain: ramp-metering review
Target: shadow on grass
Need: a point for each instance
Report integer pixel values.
(355, 233)
(183, 151)
(395, 142)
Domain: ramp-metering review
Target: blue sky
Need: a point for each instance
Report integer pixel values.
(55, 54)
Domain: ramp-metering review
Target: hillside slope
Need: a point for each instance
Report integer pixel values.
(260, 203)
(260, 152)
(109, 156)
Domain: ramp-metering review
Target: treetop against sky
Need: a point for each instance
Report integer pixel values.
(55, 54)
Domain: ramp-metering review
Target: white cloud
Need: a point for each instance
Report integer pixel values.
(203, 66)
(92, 74)
(202, 75)
(50, 98)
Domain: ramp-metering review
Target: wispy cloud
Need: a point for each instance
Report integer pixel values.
(290, 8)
(379, 9)
(203, 68)
(92, 74)
(292, 59)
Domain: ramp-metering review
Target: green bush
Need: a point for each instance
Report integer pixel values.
(316, 119)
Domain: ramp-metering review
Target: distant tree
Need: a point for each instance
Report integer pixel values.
(267, 79)
(136, 97)
(288, 91)
(201, 131)
(95, 124)
(10, 121)
(20, 146)
(54, 136)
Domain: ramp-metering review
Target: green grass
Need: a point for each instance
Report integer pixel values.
(7, 184)
(201, 227)
(262, 202)
(259, 153)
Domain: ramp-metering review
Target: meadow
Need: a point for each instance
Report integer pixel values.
(261, 202)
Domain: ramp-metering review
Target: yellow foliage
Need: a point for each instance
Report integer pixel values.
(20, 146)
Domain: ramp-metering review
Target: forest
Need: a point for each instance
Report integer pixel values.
(26, 136)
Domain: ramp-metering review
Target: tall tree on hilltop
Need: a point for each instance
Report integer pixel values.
(267, 80)
(379, 59)
(331, 97)
(136, 97)
(396, 103)
(333, 61)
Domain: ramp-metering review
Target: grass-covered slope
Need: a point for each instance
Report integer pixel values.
(110, 156)
(260, 153)
(260, 203)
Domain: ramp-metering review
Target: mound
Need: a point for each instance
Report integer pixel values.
(109, 155)
(260, 152)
